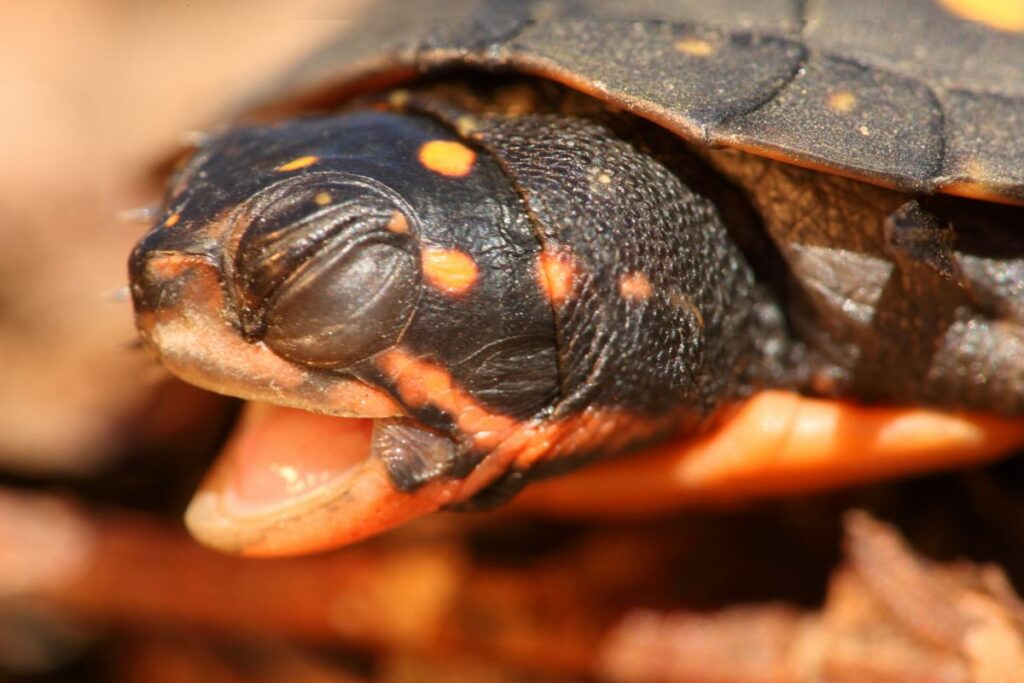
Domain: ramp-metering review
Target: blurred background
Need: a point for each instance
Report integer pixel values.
(100, 450)
(95, 95)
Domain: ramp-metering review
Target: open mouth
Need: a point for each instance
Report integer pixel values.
(290, 481)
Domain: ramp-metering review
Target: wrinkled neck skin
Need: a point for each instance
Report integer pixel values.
(502, 293)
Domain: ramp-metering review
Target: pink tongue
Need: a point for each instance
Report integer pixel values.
(280, 454)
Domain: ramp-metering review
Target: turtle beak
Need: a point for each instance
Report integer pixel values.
(290, 481)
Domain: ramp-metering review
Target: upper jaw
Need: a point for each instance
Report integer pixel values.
(181, 315)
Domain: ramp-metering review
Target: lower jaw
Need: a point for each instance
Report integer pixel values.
(290, 481)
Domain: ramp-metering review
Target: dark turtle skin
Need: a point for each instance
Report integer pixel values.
(505, 231)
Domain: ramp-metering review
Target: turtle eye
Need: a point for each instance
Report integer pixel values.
(326, 272)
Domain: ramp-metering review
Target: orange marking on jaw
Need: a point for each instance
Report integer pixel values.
(398, 223)
(449, 270)
(447, 157)
(172, 220)
(1004, 15)
(297, 163)
(421, 383)
(556, 272)
(635, 286)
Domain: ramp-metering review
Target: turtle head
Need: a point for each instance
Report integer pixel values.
(452, 312)
(372, 272)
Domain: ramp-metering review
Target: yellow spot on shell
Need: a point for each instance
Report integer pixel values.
(172, 220)
(843, 101)
(322, 198)
(1004, 15)
(296, 164)
(449, 270)
(976, 169)
(698, 47)
(635, 286)
(447, 157)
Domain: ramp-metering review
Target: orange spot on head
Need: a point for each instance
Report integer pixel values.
(172, 220)
(449, 270)
(1004, 15)
(447, 157)
(398, 223)
(297, 163)
(698, 47)
(322, 198)
(556, 272)
(635, 286)
(843, 101)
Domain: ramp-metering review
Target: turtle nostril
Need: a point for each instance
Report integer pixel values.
(321, 276)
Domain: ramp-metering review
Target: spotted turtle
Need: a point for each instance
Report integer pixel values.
(469, 245)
